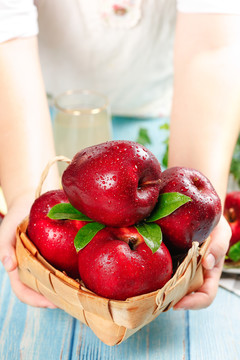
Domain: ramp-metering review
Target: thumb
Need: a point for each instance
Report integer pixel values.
(8, 258)
(7, 243)
(16, 212)
(218, 246)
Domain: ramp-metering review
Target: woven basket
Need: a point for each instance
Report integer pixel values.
(113, 321)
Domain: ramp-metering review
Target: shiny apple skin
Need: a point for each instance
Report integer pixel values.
(195, 220)
(232, 214)
(54, 238)
(115, 183)
(112, 268)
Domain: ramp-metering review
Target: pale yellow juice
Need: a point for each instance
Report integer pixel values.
(75, 132)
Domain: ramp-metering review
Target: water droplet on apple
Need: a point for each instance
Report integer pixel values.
(183, 189)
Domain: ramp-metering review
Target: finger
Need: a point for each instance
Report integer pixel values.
(205, 294)
(27, 295)
(218, 246)
(8, 234)
(8, 257)
(7, 242)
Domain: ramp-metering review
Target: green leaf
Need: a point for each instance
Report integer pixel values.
(65, 211)
(86, 234)
(165, 142)
(143, 137)
(165, 157)
(151, 234)
(167, 204)
(234, 252)
(164, 126)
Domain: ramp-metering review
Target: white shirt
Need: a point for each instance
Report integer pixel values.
(121, 48)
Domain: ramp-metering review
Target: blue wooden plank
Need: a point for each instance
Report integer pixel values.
(214, 332)
(10, 318)
(47, 334)
(32, 333)
(164, 338)
(39, 334)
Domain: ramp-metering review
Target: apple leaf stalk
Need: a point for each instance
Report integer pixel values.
(151, 232)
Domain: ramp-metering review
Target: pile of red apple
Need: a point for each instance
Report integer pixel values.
(119, 219)
(232, 214)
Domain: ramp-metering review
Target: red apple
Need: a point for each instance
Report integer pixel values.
(195, 220)
(232, 214)
(54, 238)
(117, 264)
(115, 183)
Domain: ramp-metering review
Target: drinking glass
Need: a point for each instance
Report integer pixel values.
(81, 118)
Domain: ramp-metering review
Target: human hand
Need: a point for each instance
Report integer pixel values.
(15, 215)
(212, 269)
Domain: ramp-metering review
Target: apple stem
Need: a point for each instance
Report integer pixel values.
(151, 182)
(132, 243)
(133, 240)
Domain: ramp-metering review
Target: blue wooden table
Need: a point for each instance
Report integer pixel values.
(29, 333)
